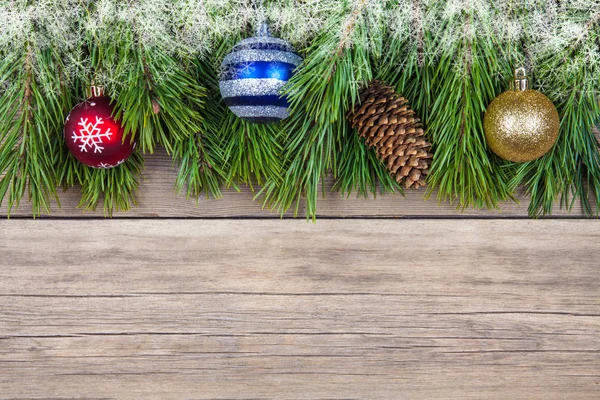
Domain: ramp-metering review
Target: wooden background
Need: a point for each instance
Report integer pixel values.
(393, 298)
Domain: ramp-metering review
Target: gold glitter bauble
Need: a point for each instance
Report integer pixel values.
(521, 125)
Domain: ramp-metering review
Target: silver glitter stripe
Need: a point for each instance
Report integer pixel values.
(260, 111)
(262, 55)
(250, 87)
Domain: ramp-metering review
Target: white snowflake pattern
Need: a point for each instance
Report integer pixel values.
(90, 135)
(108, 166)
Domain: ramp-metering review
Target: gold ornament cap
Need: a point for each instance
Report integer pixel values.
(521, 82)
(521, 125)
(95, 91)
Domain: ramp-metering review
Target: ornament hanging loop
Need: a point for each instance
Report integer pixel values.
(262, 29)
(521, 81)
(95, 91)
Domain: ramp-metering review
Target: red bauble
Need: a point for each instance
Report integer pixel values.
(94, 137)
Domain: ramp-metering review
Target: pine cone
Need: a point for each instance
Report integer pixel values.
(387, 123)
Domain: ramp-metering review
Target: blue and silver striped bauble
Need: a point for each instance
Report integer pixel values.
(253, 74)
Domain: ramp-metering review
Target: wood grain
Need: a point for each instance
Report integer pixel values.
(267, 309)
(157, 199)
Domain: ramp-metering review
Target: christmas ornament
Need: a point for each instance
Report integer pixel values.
(93, 136)
(253, 74)
(387, 123)
(521, 124)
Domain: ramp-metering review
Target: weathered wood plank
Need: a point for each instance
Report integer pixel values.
(171, 309)
(158, 199)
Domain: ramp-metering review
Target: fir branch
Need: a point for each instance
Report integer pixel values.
(462, 167)
(197, 174)
(132, 50)
(349, 29)
(418, 32)
(408, 63)
(242, 152)
(159, 79)
(145, 52)
(251, 152)
(571, 170)
(360, 170)
(322, 92)
(199, 156)
(114, 188)
(594, 20)
(31, 118)
(158, 101)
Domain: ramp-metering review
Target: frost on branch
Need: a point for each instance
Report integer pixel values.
(40, 24)
(193, 29)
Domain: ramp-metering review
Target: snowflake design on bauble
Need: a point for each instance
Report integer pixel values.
(90, 135)
(108, 166)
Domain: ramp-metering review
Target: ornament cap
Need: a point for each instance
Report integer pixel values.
(521, 81)
(263, 30)
(95, 91)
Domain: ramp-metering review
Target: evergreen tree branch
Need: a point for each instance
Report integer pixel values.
(449, 59)
(321, 94)
(199, 156)
(243, 152)
(251, 152)
(158, 101)
(571, 170)
(161, 105)
(463, 169)
(409, 63)
(197, 174)
(358, 168)
(32, 108)
(114, 188)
